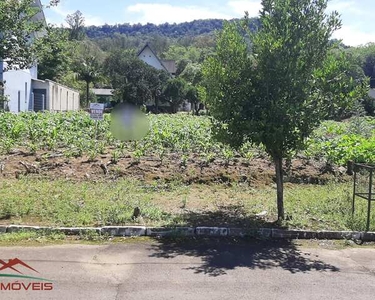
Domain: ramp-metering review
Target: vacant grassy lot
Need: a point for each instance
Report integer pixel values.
(56, 169)
(67, 203)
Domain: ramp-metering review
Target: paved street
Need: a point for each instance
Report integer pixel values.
(195, 270)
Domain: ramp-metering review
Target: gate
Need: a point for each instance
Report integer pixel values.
(364, 187)
(39, 100)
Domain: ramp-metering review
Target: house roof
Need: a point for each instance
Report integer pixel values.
(154, 53)
(170, 65)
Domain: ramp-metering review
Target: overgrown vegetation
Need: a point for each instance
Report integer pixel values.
(74, 134)
(66, 203)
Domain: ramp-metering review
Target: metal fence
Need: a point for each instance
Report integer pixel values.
(364, 187)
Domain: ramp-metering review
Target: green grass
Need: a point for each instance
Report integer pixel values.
(16, 238)
(66, 203)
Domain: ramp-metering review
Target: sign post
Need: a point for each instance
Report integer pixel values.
(97, 111)
(97, 114)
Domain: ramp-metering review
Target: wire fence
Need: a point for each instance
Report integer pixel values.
(364, 187)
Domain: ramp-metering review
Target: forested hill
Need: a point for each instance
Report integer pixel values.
(194, 28)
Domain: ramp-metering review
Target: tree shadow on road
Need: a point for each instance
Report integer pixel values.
(219, 256)
(226, 216)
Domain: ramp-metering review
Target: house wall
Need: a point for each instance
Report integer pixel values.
(18, 88)
(149, 58)
(59, 97)
(372, 93)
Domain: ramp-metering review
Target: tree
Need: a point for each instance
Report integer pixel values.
(76, 23)
(89, 71)
(270, 97)
(53, 53)
(134, 81)
(175, 93)
(157, 80)
(192, 73)
(343, 84)
(192, 95)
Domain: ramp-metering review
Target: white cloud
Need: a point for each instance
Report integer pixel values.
(240, 6)
(353, 36)
(163, 13)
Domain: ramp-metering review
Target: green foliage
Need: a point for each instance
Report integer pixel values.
(339, 143)
(192, 73)
(174, 92)
(341, 84)
(177, 52)
(17, 26)
(54, 53)
(134, 81)
(87, 65)
(187, 30)
(366, 56)
(272, 97)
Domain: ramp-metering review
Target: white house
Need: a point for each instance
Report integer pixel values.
(26, 93)
(149, 57)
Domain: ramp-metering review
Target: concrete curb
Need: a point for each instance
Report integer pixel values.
(264, 233)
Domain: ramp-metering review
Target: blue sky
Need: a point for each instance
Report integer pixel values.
(357, 15)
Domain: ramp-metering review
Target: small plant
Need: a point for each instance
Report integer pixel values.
(184, 202)
(228, 155)
(115, 157)
(184, 160)
(93, 154)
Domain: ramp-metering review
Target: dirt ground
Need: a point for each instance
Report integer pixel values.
(257, 172)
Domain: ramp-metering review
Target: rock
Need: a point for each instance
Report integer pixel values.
(124, 231)
(136, 213)
(177, 231)
(211, 231)
(262, 214)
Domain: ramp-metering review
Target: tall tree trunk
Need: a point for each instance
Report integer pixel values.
(280, 187)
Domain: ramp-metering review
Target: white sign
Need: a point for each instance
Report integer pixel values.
(97, 111)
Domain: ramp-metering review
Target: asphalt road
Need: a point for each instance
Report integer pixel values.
(195, 270)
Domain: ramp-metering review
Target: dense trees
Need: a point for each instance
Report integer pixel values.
(175, 93)
(134, 81)
(193, 28)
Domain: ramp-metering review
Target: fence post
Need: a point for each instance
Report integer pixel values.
(369, 202)
(354, 190)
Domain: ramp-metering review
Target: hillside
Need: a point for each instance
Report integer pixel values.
(194, 28)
